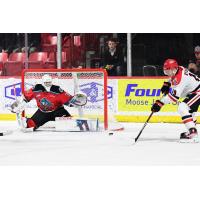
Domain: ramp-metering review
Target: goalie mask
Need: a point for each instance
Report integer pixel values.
(170, 67)
(47, 81)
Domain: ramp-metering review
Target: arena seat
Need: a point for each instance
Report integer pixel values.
(17, 57)
(150, 70)
(37, 60)
(14, 65)
(52, 61)
(50, 44)
(3, 59)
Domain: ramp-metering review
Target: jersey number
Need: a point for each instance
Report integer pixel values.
(191, 74)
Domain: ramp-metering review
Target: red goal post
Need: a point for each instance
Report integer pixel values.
(92, 82)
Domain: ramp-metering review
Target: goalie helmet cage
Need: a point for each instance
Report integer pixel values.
(92, 82)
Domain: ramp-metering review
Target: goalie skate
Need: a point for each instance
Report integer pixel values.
(191, 137)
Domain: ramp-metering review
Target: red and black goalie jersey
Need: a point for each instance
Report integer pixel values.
(48, 101)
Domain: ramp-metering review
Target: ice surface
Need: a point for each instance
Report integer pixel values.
(158, 145)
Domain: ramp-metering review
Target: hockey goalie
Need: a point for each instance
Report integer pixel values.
(50, 101)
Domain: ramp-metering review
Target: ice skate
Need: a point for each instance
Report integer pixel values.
(191, 137)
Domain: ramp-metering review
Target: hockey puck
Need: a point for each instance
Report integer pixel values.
(1, 134)
(111, 133)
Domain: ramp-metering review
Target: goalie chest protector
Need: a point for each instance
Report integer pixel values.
(48, 101)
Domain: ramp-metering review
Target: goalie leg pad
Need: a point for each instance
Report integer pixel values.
(82, 124)
(69, 124)
(31, 124)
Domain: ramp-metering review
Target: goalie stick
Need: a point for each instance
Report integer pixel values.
(18, 115)
(7, 132)
(20, 120)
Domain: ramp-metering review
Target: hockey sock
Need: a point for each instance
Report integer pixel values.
(188, 121)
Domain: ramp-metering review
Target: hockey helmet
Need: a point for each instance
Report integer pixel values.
(170, 67)
(47, 80)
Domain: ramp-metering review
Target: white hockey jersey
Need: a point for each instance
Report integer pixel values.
(182, 84)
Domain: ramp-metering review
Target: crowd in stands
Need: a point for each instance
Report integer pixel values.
(93, 50)
(41, 52)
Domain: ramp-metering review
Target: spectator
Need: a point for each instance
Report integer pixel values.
(194, 65)
(113, 59)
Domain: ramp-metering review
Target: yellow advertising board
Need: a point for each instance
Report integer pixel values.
(140, 94)
(136, 96)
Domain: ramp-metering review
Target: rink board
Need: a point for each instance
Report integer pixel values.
(129, 99)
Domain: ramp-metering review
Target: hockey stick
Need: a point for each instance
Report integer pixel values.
(143, 127)
(145, 123)
(18, 115)
(7, 132)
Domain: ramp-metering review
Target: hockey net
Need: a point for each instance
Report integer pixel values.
(92, 82)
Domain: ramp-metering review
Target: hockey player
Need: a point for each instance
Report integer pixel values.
(50, 101)
(183, 84)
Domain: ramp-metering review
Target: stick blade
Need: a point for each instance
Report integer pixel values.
(8, 132)
(135, 140)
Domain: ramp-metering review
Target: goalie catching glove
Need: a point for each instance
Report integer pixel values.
(18, 106)
(78, 100)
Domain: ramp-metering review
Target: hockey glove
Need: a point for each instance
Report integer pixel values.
(78, 100)
(18, 106)
(165, 88)
(157, 106)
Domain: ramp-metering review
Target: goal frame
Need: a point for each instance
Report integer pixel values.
(105, 84)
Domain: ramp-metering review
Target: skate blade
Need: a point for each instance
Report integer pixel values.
(192, 140)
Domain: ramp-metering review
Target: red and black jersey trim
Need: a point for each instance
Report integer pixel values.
(39, 88)
(187, 118)
(196, 89)
(173, 97)
(54, 89)
(176, 79)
